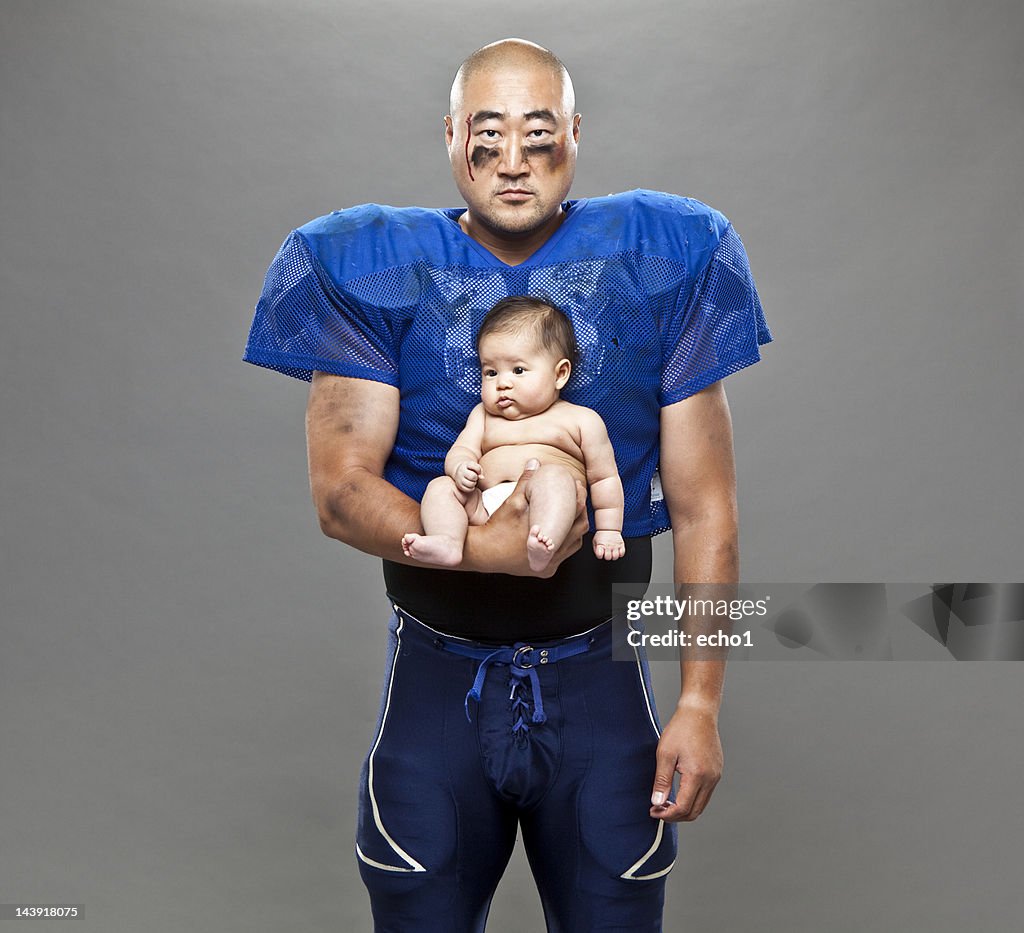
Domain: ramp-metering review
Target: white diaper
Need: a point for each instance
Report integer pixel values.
(493, 497)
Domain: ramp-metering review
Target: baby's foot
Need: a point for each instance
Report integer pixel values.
(539, 549)
(440, 550)
(608, 545)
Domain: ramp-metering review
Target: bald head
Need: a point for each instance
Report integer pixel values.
(512, 139)
(506, 54)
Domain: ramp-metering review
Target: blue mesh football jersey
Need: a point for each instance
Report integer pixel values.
(657, 286)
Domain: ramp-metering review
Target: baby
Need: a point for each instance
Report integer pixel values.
(526, 348)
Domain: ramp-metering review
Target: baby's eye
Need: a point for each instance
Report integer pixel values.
(518, 370)
(490, 373)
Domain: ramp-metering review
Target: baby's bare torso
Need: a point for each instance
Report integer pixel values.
(552, 437)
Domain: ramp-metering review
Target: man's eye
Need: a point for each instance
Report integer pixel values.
(489, 134)
(538, 133)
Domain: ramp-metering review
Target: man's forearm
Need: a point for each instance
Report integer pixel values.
(706, 563)
(362, 510)
(367, 512)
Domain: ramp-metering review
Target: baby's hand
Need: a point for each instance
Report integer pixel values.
(608, 545)
(467, 475)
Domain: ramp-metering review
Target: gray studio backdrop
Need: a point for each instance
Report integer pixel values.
(189, 672)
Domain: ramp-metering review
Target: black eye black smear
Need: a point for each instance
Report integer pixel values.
(482, 154)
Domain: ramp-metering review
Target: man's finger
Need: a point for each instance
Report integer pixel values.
(671, 813)
(702, 799)
(686, 811)
(666, 769)
(519, 493)
(686, 796)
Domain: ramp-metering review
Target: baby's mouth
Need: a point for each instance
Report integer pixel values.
(504, 401)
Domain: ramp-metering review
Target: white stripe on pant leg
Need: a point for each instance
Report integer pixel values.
(643, 688)
(629, 873)
(376, 864)
(399, 851)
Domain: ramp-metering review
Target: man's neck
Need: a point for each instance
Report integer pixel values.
(511, 249)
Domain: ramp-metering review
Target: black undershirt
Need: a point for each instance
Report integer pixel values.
(499, 608)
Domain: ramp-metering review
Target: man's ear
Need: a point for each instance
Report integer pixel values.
(449, 131)
(563, 369)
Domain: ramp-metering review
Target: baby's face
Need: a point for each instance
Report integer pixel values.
(518, 377)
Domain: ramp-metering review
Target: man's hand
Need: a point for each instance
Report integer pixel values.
(499, 546)
(467, 474)
(689, 746)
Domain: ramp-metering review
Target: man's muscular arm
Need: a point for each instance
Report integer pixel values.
(698, 477)
(350, 429)
(351, 426)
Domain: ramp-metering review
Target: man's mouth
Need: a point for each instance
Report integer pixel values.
(514, 195)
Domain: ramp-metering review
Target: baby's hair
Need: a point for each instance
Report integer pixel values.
(518, 314)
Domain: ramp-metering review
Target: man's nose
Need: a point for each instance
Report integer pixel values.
(512, 162)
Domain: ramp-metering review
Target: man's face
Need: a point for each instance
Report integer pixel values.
(512, 147)
(519, 378)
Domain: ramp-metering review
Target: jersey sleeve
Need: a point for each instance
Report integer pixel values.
(718, 327)
(304, 322)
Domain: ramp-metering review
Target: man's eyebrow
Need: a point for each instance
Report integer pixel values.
(483, 115)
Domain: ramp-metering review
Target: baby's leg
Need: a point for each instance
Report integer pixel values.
(445, 512)
(552, 497)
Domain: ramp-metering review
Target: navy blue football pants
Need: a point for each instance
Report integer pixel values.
(561, 742)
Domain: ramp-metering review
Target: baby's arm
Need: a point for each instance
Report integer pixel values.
(605, 486)
(462, 463)
(445, 511)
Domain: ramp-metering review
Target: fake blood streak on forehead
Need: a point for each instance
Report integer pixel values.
(469, 126)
